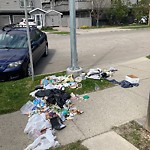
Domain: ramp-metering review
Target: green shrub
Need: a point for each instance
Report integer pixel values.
(47, 28)
(84, 27)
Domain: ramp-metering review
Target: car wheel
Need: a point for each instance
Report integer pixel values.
(46, 51)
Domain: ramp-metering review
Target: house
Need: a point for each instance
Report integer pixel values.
(83, 11)
(11, 11)
(46, 18)
(47, 12)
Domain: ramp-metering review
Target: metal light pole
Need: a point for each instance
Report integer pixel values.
(29, 41)
(73, 35)
(149, 14)
(148, 116)
(74, 69)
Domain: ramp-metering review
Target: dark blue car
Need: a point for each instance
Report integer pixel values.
(14, 51)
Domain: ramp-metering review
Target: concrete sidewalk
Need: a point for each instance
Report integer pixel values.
(103, 110)
(110, 107)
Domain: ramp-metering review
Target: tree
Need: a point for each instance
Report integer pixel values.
(98, 7)
(140, 9)
(118, 11)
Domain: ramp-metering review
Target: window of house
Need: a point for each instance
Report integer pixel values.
(82, 14)
(22, 3)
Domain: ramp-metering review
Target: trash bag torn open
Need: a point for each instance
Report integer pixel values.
(52, 106)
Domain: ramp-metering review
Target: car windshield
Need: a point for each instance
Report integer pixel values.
(13, 40)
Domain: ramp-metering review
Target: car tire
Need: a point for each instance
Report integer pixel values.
(27, 71)
(46, 51)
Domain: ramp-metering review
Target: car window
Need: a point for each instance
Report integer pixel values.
(13, 40)
(35, 35)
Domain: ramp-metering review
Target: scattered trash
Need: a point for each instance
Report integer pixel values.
(99, 73)
(97, 87)
(132, 79)
(27, 108)
(85, 97)
(49, 109)
(57, 123)
(44, 141)
(52, 106)
(124, 83)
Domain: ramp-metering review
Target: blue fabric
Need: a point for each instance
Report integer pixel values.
(124, 83)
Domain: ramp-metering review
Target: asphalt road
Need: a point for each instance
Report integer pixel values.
(95, 49)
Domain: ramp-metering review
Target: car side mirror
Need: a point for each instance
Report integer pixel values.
(33, 44)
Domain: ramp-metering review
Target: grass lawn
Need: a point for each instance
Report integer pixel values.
(14, 94)
(135, 26)
(131, 26)
(148, 56)
(55, 31)
(135, 134)
(73, 146)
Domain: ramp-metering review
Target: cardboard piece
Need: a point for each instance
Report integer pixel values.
(132, 79)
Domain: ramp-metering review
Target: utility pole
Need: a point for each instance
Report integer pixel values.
(29, 41)
(74, 69)
(148, 116)
(149, 14)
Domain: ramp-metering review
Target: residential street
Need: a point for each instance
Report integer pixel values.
(96, 48)
(105, 108)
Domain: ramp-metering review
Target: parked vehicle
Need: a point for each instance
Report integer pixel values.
(14, 51)
(31, 22)
(143, 20)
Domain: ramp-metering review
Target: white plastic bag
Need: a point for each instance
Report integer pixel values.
(27, 108)
(43, 142)
(37, 122)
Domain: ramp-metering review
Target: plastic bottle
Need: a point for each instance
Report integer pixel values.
(97, 87)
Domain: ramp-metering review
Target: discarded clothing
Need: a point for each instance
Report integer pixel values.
(124, 83)
(99, 73)
(94, 73)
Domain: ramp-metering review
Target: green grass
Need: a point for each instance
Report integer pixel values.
(55, 31)
(61, 32)
(73, 146)
(131, 26)
(136, 26)
(148, 56)
(135, 134)
(14, 94)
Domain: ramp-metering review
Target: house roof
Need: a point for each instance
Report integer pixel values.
(37, 9)
(50, 11)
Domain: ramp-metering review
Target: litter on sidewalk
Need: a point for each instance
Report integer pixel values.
(132, 79)
(47, 113)
(52, 105)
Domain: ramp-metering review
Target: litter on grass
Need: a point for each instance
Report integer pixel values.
(52, 106)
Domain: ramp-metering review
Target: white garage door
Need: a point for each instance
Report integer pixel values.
(4, 20)
(17, 18)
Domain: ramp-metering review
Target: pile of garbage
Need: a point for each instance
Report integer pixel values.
(47, 113)
(52, 106)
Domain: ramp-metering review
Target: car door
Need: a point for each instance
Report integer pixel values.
(41, 41)
(36, 44)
